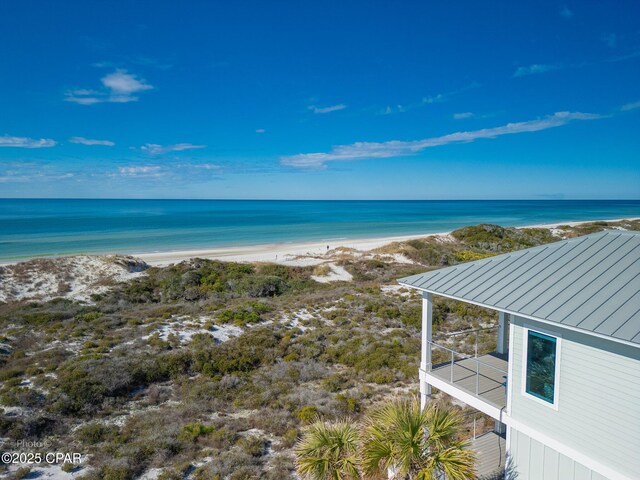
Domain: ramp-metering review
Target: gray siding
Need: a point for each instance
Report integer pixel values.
(535, 461)
(598, 404)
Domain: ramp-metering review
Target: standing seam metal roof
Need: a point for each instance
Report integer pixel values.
(590, 283)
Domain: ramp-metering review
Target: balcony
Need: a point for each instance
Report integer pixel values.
(479, 380)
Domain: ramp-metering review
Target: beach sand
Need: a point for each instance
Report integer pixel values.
(302, 254)
(79, 276)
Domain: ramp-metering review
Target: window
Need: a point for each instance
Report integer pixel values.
(541, 366)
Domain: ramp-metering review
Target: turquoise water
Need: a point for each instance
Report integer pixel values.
(40, 227)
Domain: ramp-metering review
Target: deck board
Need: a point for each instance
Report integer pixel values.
(490, 382)
(490, 451)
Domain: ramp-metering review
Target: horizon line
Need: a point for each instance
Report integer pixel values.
(336, 199)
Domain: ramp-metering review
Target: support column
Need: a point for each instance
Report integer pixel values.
(503, 328)
(425, 359)
(502, 347)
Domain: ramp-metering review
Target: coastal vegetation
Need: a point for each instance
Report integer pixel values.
(396, 440)
(210, 369)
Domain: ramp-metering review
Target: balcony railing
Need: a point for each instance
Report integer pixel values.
(481, 375)
(475, 332)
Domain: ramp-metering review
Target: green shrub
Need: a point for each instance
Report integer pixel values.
(494, 238)
(21, 473)
(289, 438)
(307, 414)
(348, 405)
(240, 317)
(92, 433)
(192, 431)
(115, 472)
(469, 255)
(252, 445)
(335, 382)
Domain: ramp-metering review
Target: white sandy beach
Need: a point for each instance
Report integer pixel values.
(303, 253)
(79, 276)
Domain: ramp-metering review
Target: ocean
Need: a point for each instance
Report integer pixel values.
(43, 227)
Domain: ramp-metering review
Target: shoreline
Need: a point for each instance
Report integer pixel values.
(299, 253)
(289, 254)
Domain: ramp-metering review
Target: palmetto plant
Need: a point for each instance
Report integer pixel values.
(410, 443)
(329, 451)
(397, 440)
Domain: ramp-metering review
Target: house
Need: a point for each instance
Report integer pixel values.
(563, 383)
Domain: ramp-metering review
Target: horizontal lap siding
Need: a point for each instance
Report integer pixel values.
(598, 404)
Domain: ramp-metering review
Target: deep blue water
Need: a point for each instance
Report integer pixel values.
(38, 227)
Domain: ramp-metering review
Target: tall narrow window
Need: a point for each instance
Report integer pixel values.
(541, 365)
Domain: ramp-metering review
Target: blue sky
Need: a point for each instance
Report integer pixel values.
(314, 100)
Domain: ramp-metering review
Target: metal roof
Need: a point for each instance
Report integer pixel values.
(589, 283)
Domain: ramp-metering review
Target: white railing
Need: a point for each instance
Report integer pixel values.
(455, 357)
(469, 332)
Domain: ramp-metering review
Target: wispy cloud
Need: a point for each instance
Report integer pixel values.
(119, 86)
(89, 141)
(201, 166)
(261, 130)
(329, 109)
(396, 148)
(630, 106)
(535, 69)
(176, 172)
(566, 12)
(31, 171)
(391, 109)
(462, 115)
(19, 177)
(25, 142)
(150, 62)
(140, 171)
(426, 100)
(543, 68)
(155, 149)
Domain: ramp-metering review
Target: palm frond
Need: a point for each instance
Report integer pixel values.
(444, 426)
(455, 463)
(328, 451)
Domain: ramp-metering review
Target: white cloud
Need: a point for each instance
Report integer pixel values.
(24, 142)
(118, 87)
(566, 12)
(332, 108)
(200, 166)
(462, 115)
(155, 149)
(122, 83)
(424, 101)
(260, 130)
(391, 109)
(19, 177)
(190, 172)
(441, 97)
(140, 171)
(89, 141)
(207, 166)
(630, 106)
(534, 69)
(396, 148)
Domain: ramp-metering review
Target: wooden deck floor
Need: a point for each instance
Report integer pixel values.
(490, 451)
(490, 383)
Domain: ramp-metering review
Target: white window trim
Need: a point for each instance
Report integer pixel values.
(556, 380)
